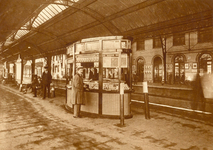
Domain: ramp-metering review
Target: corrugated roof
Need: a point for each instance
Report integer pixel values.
(92, 18)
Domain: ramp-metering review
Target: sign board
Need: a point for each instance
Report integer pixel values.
(145, 87)
(110, 60)
(121, 88)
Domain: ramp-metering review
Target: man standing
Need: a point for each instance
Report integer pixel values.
(134, 77)
(78, 92)
(34, 85)
(46, 80)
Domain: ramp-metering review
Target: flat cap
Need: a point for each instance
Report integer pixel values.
(80, 67)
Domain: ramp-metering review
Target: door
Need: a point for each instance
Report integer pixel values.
(179, 69)
(140, 70)
(158, 70)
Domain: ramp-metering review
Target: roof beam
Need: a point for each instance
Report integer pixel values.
(197, 21)
(64, 2)
(132, 9)
(112, 28)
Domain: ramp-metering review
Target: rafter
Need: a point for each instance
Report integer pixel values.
(100, 19)
(199, 20)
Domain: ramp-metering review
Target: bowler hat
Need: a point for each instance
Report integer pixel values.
(45, 66)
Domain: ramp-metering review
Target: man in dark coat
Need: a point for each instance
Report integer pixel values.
(46, 80)
(78, 92)
(91, 74)
(34, 85)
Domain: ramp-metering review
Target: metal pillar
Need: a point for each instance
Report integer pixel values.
(33, 68)
(146, 100)
(121, 104)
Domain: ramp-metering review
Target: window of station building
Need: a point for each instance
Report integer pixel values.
(156, 43)
(179, 39)
(140, 45)
(140, 70)
(205, 36)
(205, 63)
(179, 69)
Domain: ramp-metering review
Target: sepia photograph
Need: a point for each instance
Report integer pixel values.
(106, 74)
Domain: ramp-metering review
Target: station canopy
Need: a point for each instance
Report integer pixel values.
(37, 28)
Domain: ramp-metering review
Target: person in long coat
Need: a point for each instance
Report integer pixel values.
(78, 92)
(46, 80)
(197, 93)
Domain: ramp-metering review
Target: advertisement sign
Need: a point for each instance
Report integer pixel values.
(145, 87)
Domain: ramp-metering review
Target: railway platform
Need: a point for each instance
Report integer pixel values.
(167, 129)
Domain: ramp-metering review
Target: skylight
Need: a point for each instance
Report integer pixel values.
(21, 33)
(46, 14)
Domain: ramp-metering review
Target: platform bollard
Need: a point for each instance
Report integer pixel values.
(121, 104)
(20, 88)
(146, 100)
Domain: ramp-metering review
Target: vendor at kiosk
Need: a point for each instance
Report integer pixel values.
(93, 75)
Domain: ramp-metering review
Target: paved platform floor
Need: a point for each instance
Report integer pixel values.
(32, 123)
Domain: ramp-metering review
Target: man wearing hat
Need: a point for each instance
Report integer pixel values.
(46, 80)
(78, 91)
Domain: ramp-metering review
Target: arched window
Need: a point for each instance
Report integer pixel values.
(179, 69)
(205, 63)
(158, 69)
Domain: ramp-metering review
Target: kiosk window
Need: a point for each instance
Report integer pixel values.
(91, 75)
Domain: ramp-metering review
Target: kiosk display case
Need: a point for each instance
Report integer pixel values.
(106, 63)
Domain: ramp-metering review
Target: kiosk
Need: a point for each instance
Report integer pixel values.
(106, 62)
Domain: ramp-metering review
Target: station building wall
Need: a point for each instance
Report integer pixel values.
(183, 60)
